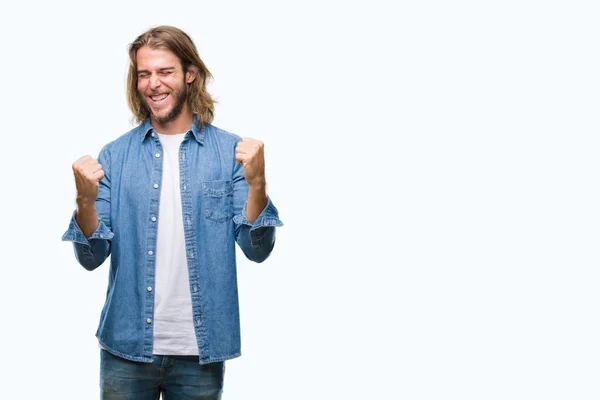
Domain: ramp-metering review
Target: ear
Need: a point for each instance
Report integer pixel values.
(190, 74)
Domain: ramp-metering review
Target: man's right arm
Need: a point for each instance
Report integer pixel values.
(89, 229)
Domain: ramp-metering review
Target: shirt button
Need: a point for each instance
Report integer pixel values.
(149, 320)
(157, 155)
(149, 288)
(184, 187)
(153, 135)
(153, 219)
(150, 253)
(156, 186)
(101, 236)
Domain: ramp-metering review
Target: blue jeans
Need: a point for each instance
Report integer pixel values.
(176, 377)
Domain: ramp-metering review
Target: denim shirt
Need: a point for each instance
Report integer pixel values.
(213, 199)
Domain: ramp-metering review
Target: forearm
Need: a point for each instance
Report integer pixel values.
(257, 200)
(87, 217)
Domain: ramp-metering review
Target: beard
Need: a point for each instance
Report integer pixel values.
(179, 96)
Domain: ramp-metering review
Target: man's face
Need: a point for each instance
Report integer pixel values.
(162, 83)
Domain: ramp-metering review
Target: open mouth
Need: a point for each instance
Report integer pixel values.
(158, 97)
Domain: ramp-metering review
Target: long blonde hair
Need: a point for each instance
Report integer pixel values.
(177, 41)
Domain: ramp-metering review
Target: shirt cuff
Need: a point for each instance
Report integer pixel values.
(268, 217)
(75, 234)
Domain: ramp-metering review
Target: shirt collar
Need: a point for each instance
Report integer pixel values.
(198, 133)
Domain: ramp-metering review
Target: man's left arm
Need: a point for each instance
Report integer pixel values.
(255, 215)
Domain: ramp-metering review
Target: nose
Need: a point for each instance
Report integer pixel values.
(154, 81)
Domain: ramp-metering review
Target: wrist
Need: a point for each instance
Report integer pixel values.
(85, 204)
(258, 184)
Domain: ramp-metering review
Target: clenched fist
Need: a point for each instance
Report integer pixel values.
(250, 153)
(88, 173)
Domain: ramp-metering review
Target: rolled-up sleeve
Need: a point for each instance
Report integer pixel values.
(90, 252)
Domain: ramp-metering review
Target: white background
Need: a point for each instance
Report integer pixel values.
(435, 164)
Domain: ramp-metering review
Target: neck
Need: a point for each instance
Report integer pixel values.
(182, 123)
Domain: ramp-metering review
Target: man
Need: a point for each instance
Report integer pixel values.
(168, 200)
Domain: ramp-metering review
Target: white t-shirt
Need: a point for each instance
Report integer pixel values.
(173, 325)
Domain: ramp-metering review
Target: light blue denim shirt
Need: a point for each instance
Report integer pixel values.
(213, 199)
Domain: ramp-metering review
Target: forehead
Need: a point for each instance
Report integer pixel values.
(150, 59)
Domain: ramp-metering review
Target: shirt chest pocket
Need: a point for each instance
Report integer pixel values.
(217, 200)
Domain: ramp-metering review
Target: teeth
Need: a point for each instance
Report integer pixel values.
(158, 97)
